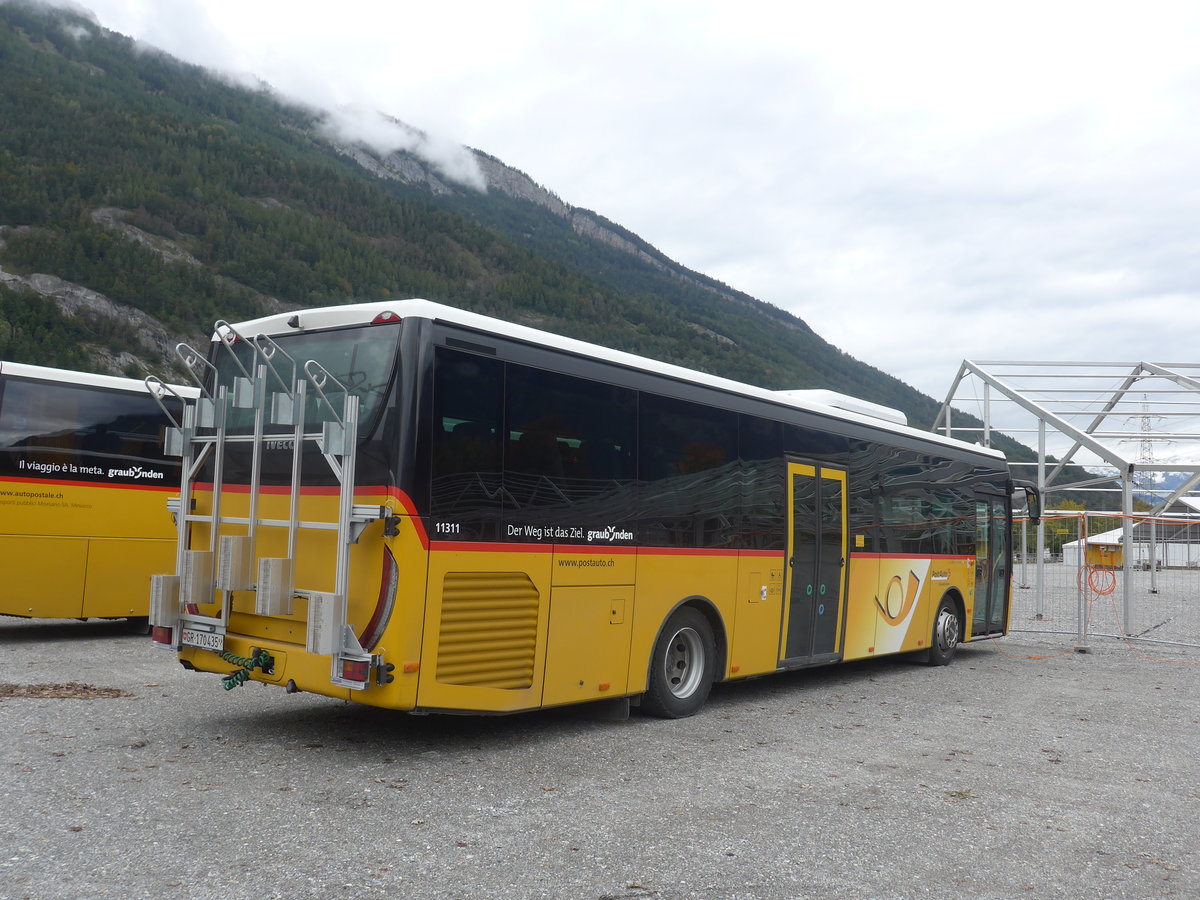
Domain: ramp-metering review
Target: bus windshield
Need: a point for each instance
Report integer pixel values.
(359, 360)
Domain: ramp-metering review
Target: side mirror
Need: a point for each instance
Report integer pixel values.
(1033, 500)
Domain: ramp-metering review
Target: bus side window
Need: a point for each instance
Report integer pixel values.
(465, 447)
(95, 430)
(687, 468)
(598, 458)
(568, 461)
(50, 417)
(762, 504)
(101, 440)
(466, 465)
(536, 451)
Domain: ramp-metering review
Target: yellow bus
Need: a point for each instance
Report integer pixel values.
(83, 483)
(411, 506)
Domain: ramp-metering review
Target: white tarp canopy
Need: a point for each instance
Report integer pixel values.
(1170, 554)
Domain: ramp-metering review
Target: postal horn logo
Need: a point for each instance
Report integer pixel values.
(897, 602)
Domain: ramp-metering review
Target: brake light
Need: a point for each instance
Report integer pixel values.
(356, 669)
(162, 634)
(385, 317)
(373, 633)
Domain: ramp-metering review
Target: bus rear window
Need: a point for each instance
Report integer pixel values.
(360, 359)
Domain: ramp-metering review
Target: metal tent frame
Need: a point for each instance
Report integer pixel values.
(1101, 415)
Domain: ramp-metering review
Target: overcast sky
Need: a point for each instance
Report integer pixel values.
(922, 182)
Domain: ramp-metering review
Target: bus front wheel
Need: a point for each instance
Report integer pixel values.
(682, 666)
(947, 632)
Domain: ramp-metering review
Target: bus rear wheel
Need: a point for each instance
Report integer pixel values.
(681, 667)
(947, 632)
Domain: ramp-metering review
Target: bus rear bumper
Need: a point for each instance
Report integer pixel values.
(298, 671)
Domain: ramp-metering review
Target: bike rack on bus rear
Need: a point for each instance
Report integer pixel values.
(211, 575)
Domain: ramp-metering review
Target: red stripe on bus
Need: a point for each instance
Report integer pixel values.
(329, 490)
(857, 554)
(592, 549)
(281, 489)
(410, 510)
(622, 550)
(403, 499)
(686, 551)
(488, 547)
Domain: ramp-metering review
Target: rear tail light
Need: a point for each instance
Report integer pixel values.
(386, 601)
(356, 669)
(162, 634)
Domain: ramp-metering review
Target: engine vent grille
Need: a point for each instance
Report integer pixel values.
(488, 633)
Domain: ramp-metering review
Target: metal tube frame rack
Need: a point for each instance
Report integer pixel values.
(212, 575)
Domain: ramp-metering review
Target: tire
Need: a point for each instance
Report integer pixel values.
(682, 667)
(947, 632)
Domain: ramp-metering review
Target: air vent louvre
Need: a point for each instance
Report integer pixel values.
(488, 631)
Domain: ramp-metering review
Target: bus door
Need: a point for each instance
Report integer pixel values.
(816, 563)
(992, 560)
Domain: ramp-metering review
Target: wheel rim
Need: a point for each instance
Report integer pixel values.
(946, 633)
(684, 662)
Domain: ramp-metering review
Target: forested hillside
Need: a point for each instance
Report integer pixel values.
(142, 198)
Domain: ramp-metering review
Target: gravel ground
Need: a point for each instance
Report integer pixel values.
(1023, 769)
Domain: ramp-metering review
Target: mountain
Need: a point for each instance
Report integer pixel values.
(142, 199)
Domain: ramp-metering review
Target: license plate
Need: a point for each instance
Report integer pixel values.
(207, 640)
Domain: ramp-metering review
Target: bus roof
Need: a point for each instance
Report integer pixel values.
(824, 402)
(86, 379)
